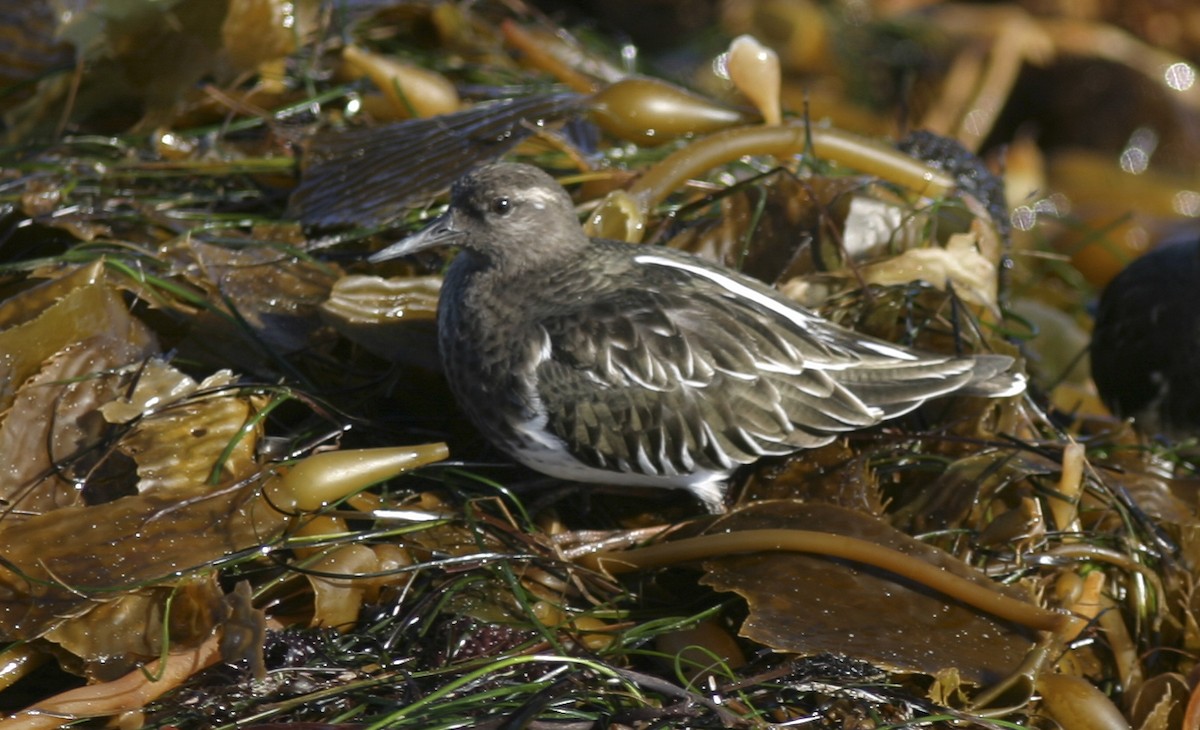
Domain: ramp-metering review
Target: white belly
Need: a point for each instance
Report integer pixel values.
(546, 453)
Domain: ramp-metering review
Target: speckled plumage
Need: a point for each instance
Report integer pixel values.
(600, 361)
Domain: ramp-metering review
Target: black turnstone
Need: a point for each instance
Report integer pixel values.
(1146, 341)
(601, 361)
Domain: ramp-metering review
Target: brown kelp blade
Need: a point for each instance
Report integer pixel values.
(371, 176)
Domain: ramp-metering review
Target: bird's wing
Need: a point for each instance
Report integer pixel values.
(707, 369)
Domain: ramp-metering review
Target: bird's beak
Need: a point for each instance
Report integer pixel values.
(441, 232)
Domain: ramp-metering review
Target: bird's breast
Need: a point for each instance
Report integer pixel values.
(489, 349)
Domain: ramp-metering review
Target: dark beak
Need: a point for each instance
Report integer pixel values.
(440, 232)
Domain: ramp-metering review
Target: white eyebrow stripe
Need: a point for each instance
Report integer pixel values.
(795, 316)
(539, 197)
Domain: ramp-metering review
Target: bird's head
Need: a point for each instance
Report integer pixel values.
(503, 212)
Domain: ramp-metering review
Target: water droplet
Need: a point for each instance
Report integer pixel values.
(1180, 76)
(1186, 203)
(1023, 217)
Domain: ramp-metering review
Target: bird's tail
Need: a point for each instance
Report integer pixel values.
(993, 378)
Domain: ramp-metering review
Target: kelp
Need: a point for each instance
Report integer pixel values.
(135, 478)
(200, 370)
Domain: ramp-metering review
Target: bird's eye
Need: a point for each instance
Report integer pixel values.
(501, 206)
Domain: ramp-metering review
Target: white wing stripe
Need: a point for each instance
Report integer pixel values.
(887, 350)
(795, 316)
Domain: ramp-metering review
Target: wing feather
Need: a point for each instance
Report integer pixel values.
(690, 371)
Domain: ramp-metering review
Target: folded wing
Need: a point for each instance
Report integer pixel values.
(704, 369)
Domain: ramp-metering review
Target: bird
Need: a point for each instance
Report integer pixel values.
(1145, 348)
(601, 361)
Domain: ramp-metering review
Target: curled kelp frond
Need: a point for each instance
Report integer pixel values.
(394, 318)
